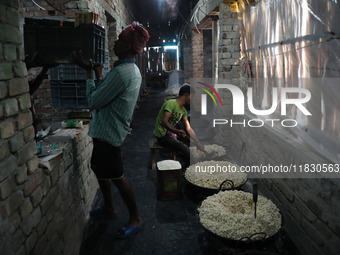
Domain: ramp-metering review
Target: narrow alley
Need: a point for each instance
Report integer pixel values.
(170, 226)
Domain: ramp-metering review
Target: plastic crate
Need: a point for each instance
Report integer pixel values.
(70, 95)
(55, 40)
(68, 72)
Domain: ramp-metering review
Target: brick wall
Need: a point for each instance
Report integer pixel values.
(207, 53)
(197, 54)
(17, 146)
(310, 207)
(70, 187)
(29, 9)
(229, 45)
(37, 205)
(112, 34)
(185, 56)
(43, 104)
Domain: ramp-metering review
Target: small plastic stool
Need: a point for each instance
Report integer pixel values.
(156, 148)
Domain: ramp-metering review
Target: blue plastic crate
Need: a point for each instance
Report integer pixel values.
(68, 72)
(69, 95)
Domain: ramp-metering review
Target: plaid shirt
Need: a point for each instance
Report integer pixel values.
(113, 101)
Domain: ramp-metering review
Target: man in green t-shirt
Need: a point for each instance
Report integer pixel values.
(171, 113)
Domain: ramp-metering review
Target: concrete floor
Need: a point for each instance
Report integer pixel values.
(170, 227)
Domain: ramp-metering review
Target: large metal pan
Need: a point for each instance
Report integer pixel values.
(247, 246)
(245, 242)
(198, 191)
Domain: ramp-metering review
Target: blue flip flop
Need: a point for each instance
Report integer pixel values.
(99, 212)
(127, 231)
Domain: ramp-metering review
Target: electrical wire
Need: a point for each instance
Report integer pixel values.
(203, 12)
(55, 8)
(130, 12)
(194, 17)
(293, 50)
(199, 9)
(38, 5)
(180, 14)
(181, 33)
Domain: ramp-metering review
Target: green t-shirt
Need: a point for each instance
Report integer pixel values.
(176, 115)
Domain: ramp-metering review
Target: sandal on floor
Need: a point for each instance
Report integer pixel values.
(127, 231)
(100, 212)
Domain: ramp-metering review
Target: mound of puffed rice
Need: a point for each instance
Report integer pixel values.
(210, 174)
(230, 214)
(168, 165)
(213, 150)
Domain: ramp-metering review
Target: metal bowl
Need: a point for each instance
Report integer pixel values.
(249, 241)
(197, 193)
(203, 191)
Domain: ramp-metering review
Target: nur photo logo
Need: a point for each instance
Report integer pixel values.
(204, 97)
(283, 99)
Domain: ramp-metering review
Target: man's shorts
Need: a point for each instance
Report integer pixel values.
(106, 161)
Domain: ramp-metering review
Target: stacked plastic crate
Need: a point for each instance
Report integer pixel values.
(68, 87)
(55, 41)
